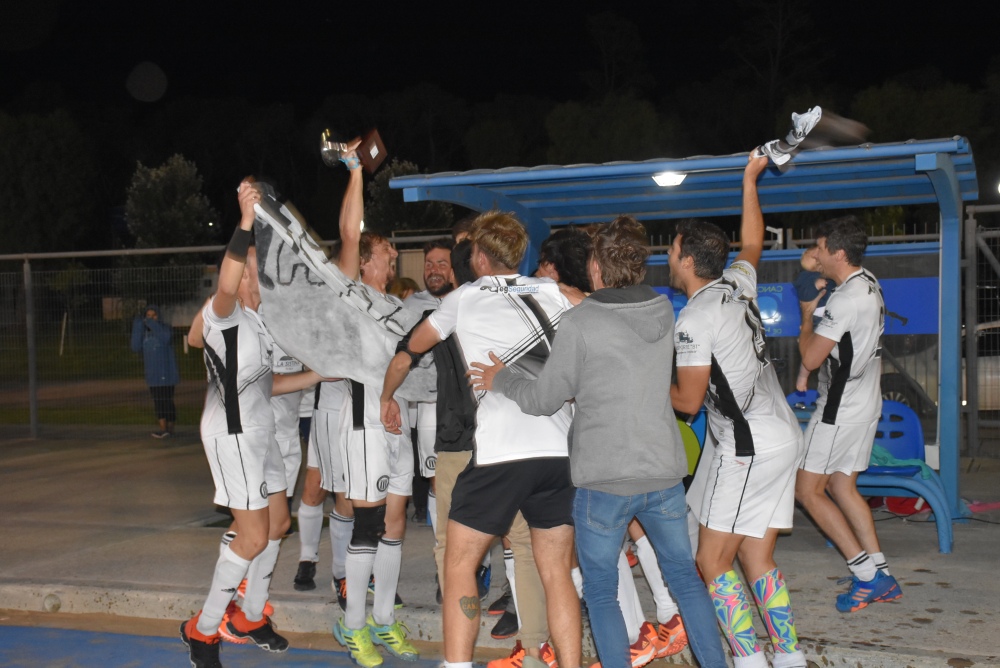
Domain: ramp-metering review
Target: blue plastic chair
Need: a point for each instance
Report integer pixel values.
(900, 433)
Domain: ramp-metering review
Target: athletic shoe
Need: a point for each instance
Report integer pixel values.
(882, 588)
(673, 637)
(371, 591)
(304, 578)
(358, 643)
(160, 434)
(484, 576)
(506, 626)
(641, 651)
(802, 124)
(438, 596)
(340, 589)
(261, 633)
(202, 650)
(231, 610)
(516, 658)
(241, 592)
(633, 560)
(499, 606)
(393, 638)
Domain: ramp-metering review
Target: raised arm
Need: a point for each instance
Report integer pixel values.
(752, 223)
(235, 261)
(352, 211)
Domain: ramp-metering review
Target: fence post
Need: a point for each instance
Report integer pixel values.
(29, 322)
(971, 407)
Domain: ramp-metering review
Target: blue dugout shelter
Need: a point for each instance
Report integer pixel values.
(938, 171)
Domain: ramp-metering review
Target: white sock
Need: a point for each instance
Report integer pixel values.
(508, 567)
(432, 511)
(488, 557)
(666, 608)
(880, 562)
(794, 659)
(459, 664)
(755, 660)
(229, 572)
(227, 538)
(388, 559)
(577, 576)
(628, 599)
(863, 567)
(360, 560)
(259, 581)
(341, 529)
(310, 528)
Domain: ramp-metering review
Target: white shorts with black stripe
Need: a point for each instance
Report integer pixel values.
(832, 448)
(246, 469)
(376, 463)
(426, 421)
(324, 450)
(745, 495)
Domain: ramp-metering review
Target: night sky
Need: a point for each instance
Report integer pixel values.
(302, 51)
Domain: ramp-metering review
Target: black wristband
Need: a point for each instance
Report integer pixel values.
(239, 244)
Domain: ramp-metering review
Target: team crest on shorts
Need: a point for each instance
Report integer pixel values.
(263, 490)
(431, 463)
(383, 483)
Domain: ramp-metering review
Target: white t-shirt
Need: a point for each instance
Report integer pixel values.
(238, 356)
(850, 389)
(721, 327)
(421, 301)
(515, 318)
(285, 406)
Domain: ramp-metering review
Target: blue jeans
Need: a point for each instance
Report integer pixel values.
(601, 521)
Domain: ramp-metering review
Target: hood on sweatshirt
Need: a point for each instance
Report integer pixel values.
(645, 311)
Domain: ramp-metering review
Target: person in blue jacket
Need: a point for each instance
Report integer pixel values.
(153, 339)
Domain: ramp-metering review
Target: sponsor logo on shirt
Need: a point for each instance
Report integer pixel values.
(685, 343)
(511, 289)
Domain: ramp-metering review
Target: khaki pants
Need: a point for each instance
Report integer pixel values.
(530, 594)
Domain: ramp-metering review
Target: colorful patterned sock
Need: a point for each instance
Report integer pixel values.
(776, 609)
(733, 612)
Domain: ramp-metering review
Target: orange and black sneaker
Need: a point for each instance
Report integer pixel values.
(261, 632)
(641, 652)
(202, 650)
(241, 591)
(673, 637)
(340, 589)
(231, 610)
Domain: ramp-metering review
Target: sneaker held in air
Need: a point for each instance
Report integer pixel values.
(506, 626)
(260, 633)
(499, 606)
(802, 124)
(484, 576)
(641, 652)
(340, 589)
(393, 638)
(371, 592)
(358, 643)
(673, 637)
(203, 650)
(241, 592)
(882, 588)
(231, 610)
(305, 576)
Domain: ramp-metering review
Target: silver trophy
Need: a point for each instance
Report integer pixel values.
(370, 150)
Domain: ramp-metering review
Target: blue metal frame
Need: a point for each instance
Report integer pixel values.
(940, 171)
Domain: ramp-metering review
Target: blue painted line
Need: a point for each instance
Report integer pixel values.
(31, 647)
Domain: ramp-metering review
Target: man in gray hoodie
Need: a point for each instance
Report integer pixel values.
(613, 354)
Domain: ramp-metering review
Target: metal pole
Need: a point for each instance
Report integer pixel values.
(29, 323)
(971, 407)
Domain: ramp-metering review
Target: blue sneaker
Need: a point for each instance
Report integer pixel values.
(483, 578)
(883, 588)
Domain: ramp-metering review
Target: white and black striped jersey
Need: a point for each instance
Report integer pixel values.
(329, 395)
(850, 379)
(515, 318)
(721, 327)
(238, 356)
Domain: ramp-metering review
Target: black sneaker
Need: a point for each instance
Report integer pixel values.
(304, 578)
(340, 589)
(506, 627)
(397, 604)
(202, 654)
(499, 606)
(264, 636)
(438, 596)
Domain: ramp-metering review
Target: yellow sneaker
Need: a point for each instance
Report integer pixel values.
(393, 638)
(359, 644)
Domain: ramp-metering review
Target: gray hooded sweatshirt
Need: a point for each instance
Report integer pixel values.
(613, 354)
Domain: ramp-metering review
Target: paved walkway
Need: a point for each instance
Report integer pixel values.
(116, 522)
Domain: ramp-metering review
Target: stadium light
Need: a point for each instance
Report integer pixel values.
(665, 179)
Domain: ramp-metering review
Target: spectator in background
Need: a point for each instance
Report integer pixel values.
(402, 287)
(152, 338)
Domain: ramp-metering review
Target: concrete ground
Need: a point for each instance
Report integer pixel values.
(113, 522)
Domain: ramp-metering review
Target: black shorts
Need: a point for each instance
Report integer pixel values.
(486, 498)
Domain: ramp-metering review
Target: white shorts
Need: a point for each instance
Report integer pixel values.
(745, 495)
(376, 463)
(426, 435)
(286, 428)
(246, 468)
(830, 448)
(325, 452)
